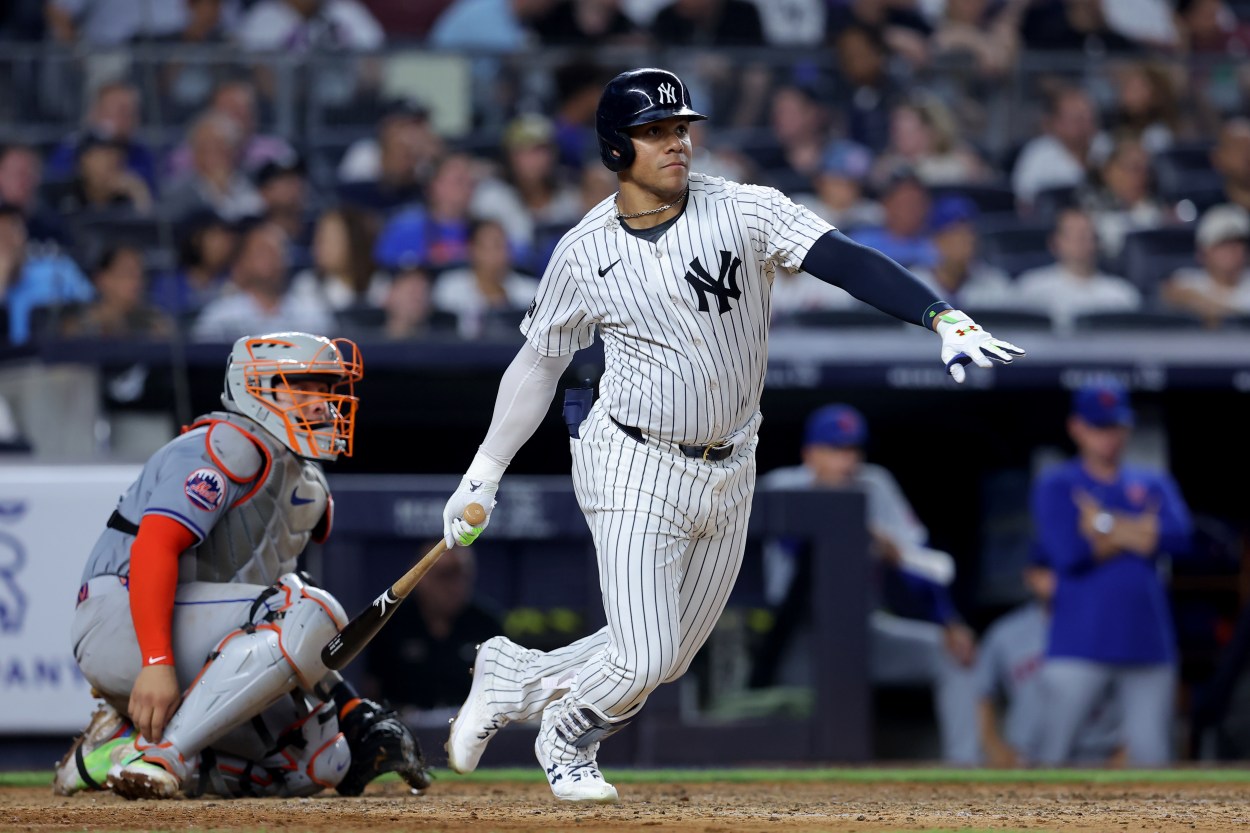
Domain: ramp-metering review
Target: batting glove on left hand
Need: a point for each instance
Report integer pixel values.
(455, 529)
(964, 343)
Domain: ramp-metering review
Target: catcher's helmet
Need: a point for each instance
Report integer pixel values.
(260, 367)
(639, 96)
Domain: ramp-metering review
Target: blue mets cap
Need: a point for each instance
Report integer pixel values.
(951, 209)
(1103, 404)
(840, 426)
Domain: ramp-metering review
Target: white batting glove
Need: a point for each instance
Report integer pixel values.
(455, 529)
(965, 343)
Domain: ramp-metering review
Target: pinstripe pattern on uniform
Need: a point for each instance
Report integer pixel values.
(672, 370)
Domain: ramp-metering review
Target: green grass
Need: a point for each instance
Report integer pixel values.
(819, 775)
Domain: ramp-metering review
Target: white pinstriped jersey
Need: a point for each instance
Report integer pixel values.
(684, 320)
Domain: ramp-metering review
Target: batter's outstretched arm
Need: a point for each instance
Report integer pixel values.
(876, 279)
(525, 394)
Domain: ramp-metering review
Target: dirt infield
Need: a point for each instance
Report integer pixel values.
(702, 807)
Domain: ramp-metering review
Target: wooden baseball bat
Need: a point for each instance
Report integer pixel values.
(356, 634)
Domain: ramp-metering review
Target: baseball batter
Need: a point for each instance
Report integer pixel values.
(675, 272)
(191, 588)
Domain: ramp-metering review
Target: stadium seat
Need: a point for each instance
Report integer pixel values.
(1150, 256)
(1050, 201)
(1144, 320)
(990, 199)
(1016, 247)
(1180, 166)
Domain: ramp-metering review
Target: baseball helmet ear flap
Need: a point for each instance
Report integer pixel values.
(639, 96)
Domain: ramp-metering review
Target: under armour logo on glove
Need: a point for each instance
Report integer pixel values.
(964, 343)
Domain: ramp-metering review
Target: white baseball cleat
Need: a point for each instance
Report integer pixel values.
(480, 717)
(140, 778)
(571, 770)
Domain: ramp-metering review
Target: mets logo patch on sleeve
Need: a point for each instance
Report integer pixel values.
(206, 488)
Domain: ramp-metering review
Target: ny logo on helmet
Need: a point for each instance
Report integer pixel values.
(668, 93)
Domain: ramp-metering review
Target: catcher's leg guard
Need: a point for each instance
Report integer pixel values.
(252, 667)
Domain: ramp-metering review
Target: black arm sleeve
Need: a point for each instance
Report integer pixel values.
(872, 278)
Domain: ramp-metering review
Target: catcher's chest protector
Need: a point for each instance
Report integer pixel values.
(264, 531)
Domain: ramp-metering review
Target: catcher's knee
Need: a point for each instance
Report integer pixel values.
(306, 618)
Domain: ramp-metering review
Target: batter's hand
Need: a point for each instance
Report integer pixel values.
(455, 530)
(153, 700)
(965, 343)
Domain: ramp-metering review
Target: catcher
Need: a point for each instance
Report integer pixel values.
(191, 623)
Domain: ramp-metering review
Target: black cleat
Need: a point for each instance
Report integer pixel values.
(380, 743)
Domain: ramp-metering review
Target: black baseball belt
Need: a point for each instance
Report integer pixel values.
(713, 452)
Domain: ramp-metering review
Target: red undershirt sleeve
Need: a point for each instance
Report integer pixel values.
(153, 582)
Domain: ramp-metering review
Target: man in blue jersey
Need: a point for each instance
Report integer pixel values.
(1103, 526)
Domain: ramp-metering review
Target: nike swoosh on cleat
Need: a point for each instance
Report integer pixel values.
(296, 500)
(605, 270)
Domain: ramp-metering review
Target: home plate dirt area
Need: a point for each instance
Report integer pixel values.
(835, 800)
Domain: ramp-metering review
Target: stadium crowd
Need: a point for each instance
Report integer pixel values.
(1113, 180)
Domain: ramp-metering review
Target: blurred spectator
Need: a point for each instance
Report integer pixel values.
(1146, 105)
(21, 173)
(404, 19)
(1102, 526)
(708, 23)
(343, 274)
(120, 308)
(103, 182)
(958, 276)
(793, 23)
(1071, 26)
(31, 277)
(438, 235)
(898, 25)
(799, 292)
(235, 99)
(1220, 286)
(1073, 285)
(385, 173)
(258, 301)
(206, 247)
(113, 22)
(1008, 664)
(285, 198)
(800, 133)
(839, 197)
(903, 233)
(1231, 157)
(532, 191)
(294, 26)
(214, 182)
(936, 648)
(1121, 199)
(586, 23)
(495, 25)
(488, 284)
(925, 138)
(1211, 27)
(867, 92)
(419, 663)
(114, 113)
(1147, 23)
(987, 33)
(578, 87)
(1060, 156)
(206, 24)
(409, 307)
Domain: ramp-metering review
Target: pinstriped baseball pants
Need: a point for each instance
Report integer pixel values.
(669, 534)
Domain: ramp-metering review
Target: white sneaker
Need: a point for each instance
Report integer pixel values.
(572, 772)
(85, 766)
(140, 778)
(482, 715)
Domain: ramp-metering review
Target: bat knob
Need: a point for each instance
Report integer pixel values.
(474, 514)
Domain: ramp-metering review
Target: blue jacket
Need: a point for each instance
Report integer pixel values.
(1114, 611)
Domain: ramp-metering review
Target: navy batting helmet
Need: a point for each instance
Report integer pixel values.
(639, 96)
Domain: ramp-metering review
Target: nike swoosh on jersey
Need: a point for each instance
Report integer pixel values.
(605, 270)
(154, 660)
(296, 500)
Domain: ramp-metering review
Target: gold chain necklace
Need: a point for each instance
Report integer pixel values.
(659, 210)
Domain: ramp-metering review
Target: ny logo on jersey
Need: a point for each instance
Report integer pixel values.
(724, 286)
(668, 93)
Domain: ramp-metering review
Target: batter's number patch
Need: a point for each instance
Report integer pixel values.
(206, 488)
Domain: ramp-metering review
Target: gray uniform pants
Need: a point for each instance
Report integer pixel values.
(1144, 693)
